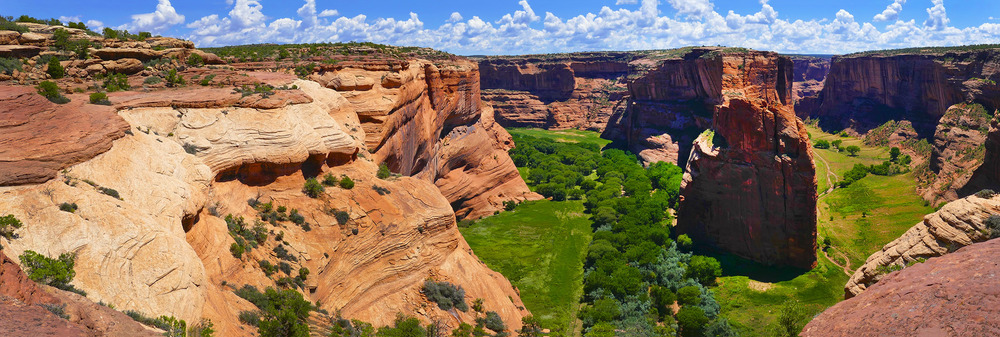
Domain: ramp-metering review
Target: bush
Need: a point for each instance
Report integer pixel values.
(68, 207)
(993, 226)
(205, 328)
(704, 269)
(346, 183)
(237, 250)
(494, 322)
(116, 82)
(173, 79)
(110, 192)
(9, 65)
(691, 320)
(53, 272)
(313, 188)
(152, 80)
(330, 180)
(7, 25)
(55, 69)
(509, 205)
(986, 194)
(295, 217)
(689, 295)
(282, 312)
(853, 150)
(284, 267)
(342, 217)
(822, 144)
(99, 98)
(60, 39)
(445, 294)
(249, 317)
(9, 225)
(303, 273)
(267, 267)
(195, 60)
(283, 254)
(50, 90)
(383, 171)
(790, 319)
(894, 154)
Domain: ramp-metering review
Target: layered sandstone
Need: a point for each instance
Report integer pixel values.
(956, 225)
(562, 91)
(749, 187)
(953, 295)
(809, 75)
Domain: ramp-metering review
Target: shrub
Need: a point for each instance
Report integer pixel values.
(853, 150)
(295, 217)
(789, 319)
(303, 273)
(50, 90)
(894, 154)
(313, 188)
(283, 254)
(152, 80)
(822, 144)
(9, 225)
(689, 295)
(55, 69)
(207, 80)
(267, 267)
(237, 250)
(190, 148)
(282, 312)
(284, 267)
(9, 65)
(993, 226)
(110, 192)
(56, 309)
(68, 207)
(116, 82)
(249, 317)
(173, 79)
(986, 194)
(195, 60)
(342, 217)
(445, 294)
(7, 25)
(494, 322)
(691, 319)
(383, 171)
(381, 190)
(346, 182)
(99, 98)
(704, 269)
(205, 328)
(330, 180)
(45, 270)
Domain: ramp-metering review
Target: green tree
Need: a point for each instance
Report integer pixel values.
(894, 154)
(60, 38)
(530, 327)
(822, 144)
(602, 329)
(99, 98)
(313, 188)
(691, 320)
(195, 60)
(55, 69)
(790, 319)
(54, 272)
(689, 295)
(853, 150)
(685, 242)
(837, 143)
(346, 182)
(8, 226)
(383, 171)
(704, 269)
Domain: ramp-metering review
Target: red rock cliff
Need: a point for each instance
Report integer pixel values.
(555, 91)
(750, 186)
(810, 74)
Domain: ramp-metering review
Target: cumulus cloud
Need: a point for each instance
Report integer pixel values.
(162, 19)
(533, 30)
(891, 13)
(937, 17)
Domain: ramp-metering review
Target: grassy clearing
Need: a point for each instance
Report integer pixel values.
(539, 247)
(753, 307)
(567, 136)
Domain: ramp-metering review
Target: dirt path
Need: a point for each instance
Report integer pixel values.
(829, 174)
(846, 266)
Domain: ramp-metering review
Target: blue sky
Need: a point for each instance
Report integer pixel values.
(544, 26)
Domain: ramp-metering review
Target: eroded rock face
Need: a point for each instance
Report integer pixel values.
(810, 74)
(953, 295)
(38, 138)
(956, 225)
(570, 91)
(750, 187)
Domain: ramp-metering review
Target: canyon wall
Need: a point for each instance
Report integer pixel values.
(749, 187)
(953, 295)
(810, 75)
(559, 91)
(945, 96)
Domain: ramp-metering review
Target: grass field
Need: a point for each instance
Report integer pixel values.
(568, 136)
(859, 220)
(539, 247)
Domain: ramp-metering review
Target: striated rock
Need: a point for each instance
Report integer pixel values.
(749, 187)
(33, 39)
(958, 151)
(555, 92)
(126, 66)
(9, 37)
(169, 42)
(19, 51)
(953, 295)
(956, 225)
(38, 138)
(809, 75)
(130, 53)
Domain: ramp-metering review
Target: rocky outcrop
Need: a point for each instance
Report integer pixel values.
(956, 225)
(953, 295)
(809, 75)
(38, 138)
(750, 184)
(563, 91)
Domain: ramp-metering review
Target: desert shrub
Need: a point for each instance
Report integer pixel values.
(246, 238)
(7, 25)
(55, 69)
(68, 207)
(284, 267)
(509, 205)
(9, 65)
(790, 319)
(986, 194)
(152, 80)
(283, 254)
(993, 226)
(267, 267)
(381, 190)
(9, 225)
(330, 180)
(99, 98)
(346, 182)
(494, 322)
(116, 82)
(303, 273)
(237, 250)
(282, 312)
(50, 90)
(60, 39)
(190, 148)
(383, 171)
(822, 144)
(207, 80)
(195, 60)
(204, 328)
(53, 272)
(56, 309)
(110, 192)
(295, 217)
(445, 294)
(313, 188)
(342, 217)
(249, 317)
(172, 326)
(173, 79)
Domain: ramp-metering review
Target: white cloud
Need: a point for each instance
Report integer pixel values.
(162, 19)
(66, 19)
(695, 22)
(626, 2)
(95, 25)
(937, 16)
(891, 12)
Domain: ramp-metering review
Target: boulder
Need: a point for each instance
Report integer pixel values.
(33, 39)
(126, 66)
(16, 51)
(9, 37)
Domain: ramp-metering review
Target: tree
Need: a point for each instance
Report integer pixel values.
(789, 320)
(383, 171)
(704, 269)
(602, 329)
(822, 144)
(905, 160)
(894, 154)
(99, 98)
(60, 39)
(346, 182)
(195, 60)
(689, 295)
(54, 272)
(313, 188)
(55, 69)
(691, 320)
(685, 242)
(50, 90)
(837, 143)
(530, 327)
(853, 150)
(8, 225)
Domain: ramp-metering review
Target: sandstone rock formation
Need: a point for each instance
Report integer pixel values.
(38, 138)
(810, 74)
(956, 225)
(563, 91)
(750, 184)
(953, 295)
